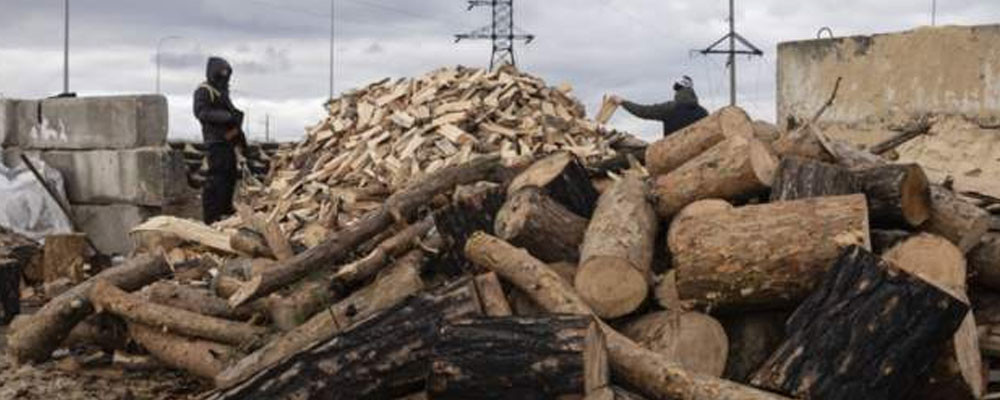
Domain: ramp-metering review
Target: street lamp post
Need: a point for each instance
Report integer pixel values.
(158, 46)
(66, 47)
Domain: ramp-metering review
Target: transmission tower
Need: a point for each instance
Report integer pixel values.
(733, 37)
(502, 32)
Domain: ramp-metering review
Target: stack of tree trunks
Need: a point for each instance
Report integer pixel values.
(727, 265)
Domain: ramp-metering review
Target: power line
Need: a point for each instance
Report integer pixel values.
(732, 37)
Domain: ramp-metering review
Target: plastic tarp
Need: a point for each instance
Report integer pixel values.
(25, 206)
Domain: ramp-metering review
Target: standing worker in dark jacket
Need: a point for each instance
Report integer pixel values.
(221, 130)
(677, 114)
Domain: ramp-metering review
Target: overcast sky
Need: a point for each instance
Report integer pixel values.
(280, 48)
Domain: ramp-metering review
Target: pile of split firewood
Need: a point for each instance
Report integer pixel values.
(722, 263)
(379, 139)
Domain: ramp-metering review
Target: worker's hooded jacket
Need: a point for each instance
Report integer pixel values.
(212, 105)
(675, 115)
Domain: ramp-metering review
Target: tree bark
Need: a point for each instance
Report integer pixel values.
(33, 338)
(10, 289)
(898, 194)
(549, 231)
(561, 177)
(391, 287)
(499, 358)
(868, 332)
(802, 178)
(200, 301)
(764, 256)
(476, 210)
(955, 219)
(736, 168)
(399, 207)
(801, 143)
(697, 341)
(669, 153)
(984, 262)
(352, 274)
(694, 210)
(752, 339)
(250, 243)
(199, 357)
(386, 356)
(106, 297)
(617, 251)
(648, 371)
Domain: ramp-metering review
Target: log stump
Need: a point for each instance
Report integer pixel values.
(562, 177)
(669, 153)
(617, 251)
(868, 332)
(736, 168)
(764, 256)
(695, 340)
(549, 231)
(500, 358)
(898, 194)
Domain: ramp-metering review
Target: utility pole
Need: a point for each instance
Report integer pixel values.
(502, 31)
(732, 37)
(332, 7)
(66, 47)
(267, 128)
(933, 12)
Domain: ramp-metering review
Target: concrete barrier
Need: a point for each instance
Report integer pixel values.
(108, 225)
(151, 176)
(87, 123)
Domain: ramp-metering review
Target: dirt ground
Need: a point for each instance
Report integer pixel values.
(65, 379)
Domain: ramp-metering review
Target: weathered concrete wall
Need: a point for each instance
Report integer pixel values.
(85, 123)
(108, 225)
(890, 78)
(152, 176)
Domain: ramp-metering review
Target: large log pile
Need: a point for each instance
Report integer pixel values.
(470, 234)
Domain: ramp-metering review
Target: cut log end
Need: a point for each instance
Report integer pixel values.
(916, 203)
(698, 342)
(763, 162)
(611, 286)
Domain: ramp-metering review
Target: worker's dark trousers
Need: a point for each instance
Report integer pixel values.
(220, 184)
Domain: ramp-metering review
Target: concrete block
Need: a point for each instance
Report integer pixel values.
(151, 176)
(893, 78)
(108, 225)
(89, 123)
(16, 116)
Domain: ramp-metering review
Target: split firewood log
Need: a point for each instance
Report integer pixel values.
(562, 177)
(398, 207)
(33, 338)
(695, 340)
(482, 357)
(764, 256)
(197, 300)
(736, 168)
(898, 194)
(669, 153)
(617, 250)
(108, 298)
(491, 295)
(545, 228)
(200, 357)
(386, 356)
(958, 371)
(855, 337)
(250, 243)
(391, 287)
(651, 372)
